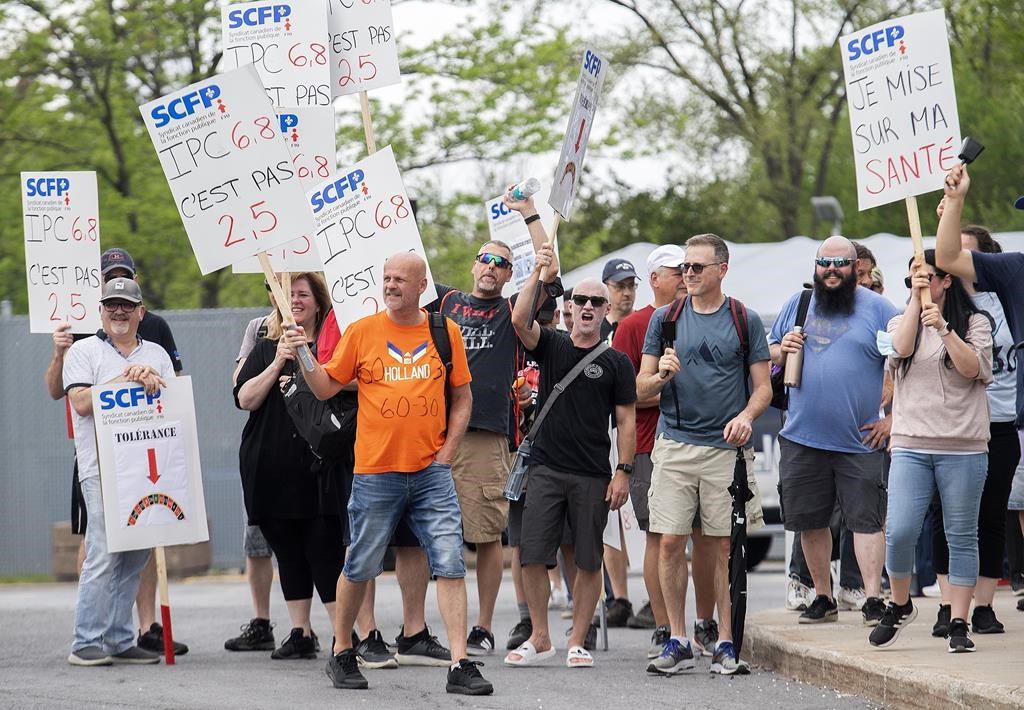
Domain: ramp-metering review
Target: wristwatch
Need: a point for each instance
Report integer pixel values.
(626, 468)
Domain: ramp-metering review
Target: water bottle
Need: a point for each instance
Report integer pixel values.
(305, 356)
(522, 190)
(794, 365)
(515, 483)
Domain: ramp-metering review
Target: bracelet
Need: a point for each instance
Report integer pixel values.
(945, 331)
(532, 218)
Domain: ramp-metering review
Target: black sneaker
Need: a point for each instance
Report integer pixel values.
(617, 611)
(1020, 605)
(893, 621)
(465, 679)
(343, 670)
(520, 632)
(941, 628)
(659, 638)
(153, 640)
(960, 637)
(297, 645)
(984, 621)
(421, 650)
(135, 656)
(643, 619)
(872, 611)
(590, 640)
(480, 642)
(821, 610)
(257, 635)
(1017, 584)
(373, 652)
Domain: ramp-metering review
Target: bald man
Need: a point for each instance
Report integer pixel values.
(833, 439)
(403, 467)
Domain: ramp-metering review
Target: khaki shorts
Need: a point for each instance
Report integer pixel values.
(479, 469)
(688, 478)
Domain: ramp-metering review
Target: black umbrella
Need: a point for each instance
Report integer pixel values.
(741, 493)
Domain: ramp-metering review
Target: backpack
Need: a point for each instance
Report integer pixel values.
(780, 393)
(443, 345)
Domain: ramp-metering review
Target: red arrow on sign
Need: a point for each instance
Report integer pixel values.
(579, 138)
(153, 475)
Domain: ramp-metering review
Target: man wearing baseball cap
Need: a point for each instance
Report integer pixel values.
(619, 275)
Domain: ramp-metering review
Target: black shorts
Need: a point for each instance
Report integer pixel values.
(515, 523)
(554, 497)
(639, 487)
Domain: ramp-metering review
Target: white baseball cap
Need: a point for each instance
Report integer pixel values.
(669, 255)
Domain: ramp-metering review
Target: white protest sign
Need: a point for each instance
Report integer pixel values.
(362, 218)
(148, 452)
(507, 226)
(62, 250)
(310, 136)
(233, 181)
(902, 104)
(287, 43)
(581, 119)
(364, 54)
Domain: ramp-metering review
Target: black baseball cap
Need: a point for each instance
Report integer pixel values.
(618, 270)
(116, 259)
(1019, 204)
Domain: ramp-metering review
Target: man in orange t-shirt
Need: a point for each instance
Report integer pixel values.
(404, 450)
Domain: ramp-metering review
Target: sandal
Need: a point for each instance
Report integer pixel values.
(579, 657)
(528, 655)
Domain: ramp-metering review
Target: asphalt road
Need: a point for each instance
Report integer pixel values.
(35, 628)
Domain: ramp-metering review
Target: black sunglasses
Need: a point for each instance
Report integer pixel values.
(697, 268)
(837, 261)
(496, 259)
(581, 300)
(112, 306)
(908, 280)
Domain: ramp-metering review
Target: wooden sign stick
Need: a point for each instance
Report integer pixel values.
(915, 238)
(364, 106)
(165, 605)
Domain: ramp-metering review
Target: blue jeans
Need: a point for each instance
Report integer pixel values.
(913, 480)
(107, 586)
(425, 499)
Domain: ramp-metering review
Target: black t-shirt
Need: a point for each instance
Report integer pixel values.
(574, 435)
(154, 329)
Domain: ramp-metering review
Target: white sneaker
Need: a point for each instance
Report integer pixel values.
(558, 599)
(567, 614)
(932, 591)
(850, 599)
(798, 595)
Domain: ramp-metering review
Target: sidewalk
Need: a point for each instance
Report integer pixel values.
(915, 672)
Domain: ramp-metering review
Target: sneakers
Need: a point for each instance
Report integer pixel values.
(705, 636)
(850, 599)
(257, 635)
(984, 621)
(465, 679)
(1020, 605)
(659, 638)
(153, 641)
(520, 632)
(343, 670)
(960, 637)
(893, 620)
(480, 642)
(872, 611)
(726, 661)
(674, 658)
(941, 628)
(90, 656)
(617, 612)
(821, 610)
(373, 652)
(798, 595)
(932, 591)
(643, 619)
(567, 613)
(421, 650)
(590, 640)
(558, 600)
(1017, 584)
(297, 645)
(136, 656)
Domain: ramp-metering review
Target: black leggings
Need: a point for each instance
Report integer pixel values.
(309, 552)
(1003, 455)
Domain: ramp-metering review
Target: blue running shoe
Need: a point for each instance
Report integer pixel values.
(725, 660)
(675, 658)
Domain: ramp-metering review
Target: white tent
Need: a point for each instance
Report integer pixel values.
(765, 275)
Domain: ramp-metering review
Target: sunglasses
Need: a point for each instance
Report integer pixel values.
(696, 268)
(908, 280)
(113, 307)
(497, 260)
(596, 301)
(837, 261)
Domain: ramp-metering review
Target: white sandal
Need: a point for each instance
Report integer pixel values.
(579, 657)
(528, 655)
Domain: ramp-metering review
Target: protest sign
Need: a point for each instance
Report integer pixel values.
(362, 218)
(902, 105)
(364, 54)
(233, 181)
(507, 226)
(581, 119)
(62, 250)
(310, 136)
(148, 452)
(287, 43)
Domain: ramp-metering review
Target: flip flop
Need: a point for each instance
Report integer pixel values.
(528, 655)
(579, 657)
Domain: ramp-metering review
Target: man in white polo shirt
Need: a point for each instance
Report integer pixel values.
(104, 632)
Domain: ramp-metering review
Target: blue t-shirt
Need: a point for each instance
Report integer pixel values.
(710, 385)
(841, 383)
(1002, 392)
(1002, 273)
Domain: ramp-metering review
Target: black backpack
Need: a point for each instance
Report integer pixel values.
(780, 393)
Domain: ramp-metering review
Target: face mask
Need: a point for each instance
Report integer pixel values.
(883, 341)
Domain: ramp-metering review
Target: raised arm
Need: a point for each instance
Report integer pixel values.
(950, 256)
(545, 267)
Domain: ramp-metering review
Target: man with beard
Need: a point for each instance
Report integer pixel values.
(832, 439)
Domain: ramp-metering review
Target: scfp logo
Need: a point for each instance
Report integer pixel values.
(185, 106)
(499, 209)
(592, 63)
(126, 398)
(255, 16)
(336, 190)
(871, 42)
(46, 187)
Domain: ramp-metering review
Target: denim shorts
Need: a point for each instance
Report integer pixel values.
(426, 500)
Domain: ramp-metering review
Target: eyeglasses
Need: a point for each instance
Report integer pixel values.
(697, 268)
(114, 306)
(581, 300)
(837, 261)
(908, 280)
(497, 260)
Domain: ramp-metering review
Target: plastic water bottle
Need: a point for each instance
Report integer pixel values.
(305, 356)
(522, 190)
(515, 483)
